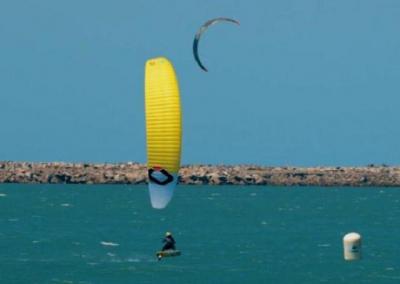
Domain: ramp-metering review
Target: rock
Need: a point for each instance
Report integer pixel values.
(135, 173)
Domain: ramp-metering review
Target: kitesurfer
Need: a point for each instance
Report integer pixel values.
(169, 242)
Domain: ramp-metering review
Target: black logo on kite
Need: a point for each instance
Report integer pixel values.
(154, 176)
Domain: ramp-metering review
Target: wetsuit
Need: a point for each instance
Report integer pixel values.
(169, 243)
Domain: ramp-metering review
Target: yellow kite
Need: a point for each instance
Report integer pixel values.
(163, 130)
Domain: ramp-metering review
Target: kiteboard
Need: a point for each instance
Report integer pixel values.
(167, 253)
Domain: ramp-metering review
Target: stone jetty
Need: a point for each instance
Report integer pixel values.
(135, 173)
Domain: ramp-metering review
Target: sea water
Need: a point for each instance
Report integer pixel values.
(227, 234)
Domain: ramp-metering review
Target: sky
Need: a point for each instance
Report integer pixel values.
(301, 83)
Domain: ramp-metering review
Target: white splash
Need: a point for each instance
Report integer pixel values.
(110, 244)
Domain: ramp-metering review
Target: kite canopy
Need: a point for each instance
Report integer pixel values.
(200, 32)
(163, 130)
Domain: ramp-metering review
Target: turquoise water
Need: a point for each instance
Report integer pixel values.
(109, 234)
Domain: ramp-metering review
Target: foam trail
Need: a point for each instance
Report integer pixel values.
(110, 244)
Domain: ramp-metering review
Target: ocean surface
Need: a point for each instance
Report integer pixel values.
(232, 234)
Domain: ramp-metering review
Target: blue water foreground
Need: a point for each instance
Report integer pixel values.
(227, 234)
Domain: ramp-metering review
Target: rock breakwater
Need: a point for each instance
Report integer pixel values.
(135, 173)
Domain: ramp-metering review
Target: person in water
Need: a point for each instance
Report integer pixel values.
(169, 242)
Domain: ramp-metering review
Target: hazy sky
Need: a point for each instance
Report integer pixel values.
(300, 82)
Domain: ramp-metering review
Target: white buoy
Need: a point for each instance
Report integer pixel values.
(352, 246)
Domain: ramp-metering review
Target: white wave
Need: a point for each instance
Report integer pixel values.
(131, 259)
(110, 244)
(3, 195)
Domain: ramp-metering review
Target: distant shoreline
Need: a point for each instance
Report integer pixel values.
(135, 173)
